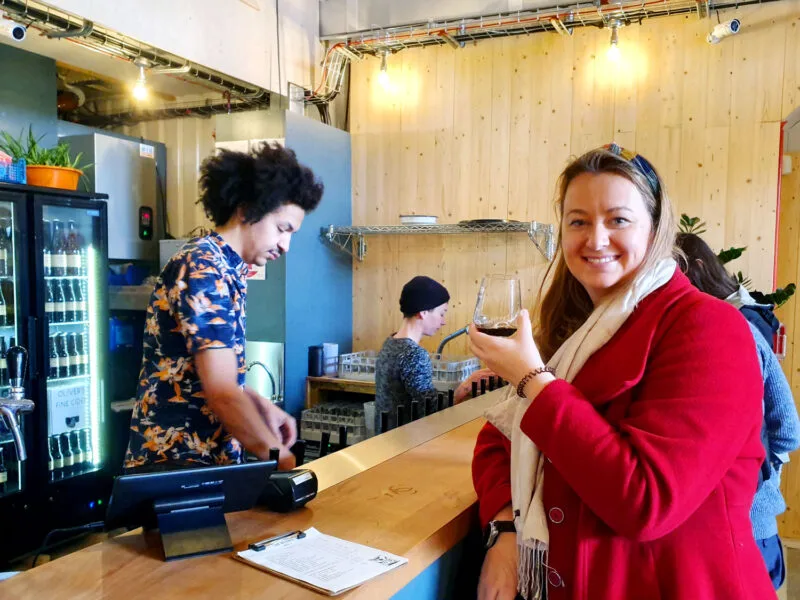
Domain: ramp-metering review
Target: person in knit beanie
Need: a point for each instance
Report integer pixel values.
(781, 428)
(403, 371)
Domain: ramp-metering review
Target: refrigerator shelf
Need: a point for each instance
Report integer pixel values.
(66, 380)
(81, 277)
(64, 324)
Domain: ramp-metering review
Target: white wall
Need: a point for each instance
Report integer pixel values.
(225, 35)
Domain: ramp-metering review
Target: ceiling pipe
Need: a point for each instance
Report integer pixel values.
(171, 70)
(87, 29)
(470, 29)
(131, 117)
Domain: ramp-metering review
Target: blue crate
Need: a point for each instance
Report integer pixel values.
(13, 173)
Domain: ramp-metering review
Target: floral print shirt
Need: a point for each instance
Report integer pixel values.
(198, 304)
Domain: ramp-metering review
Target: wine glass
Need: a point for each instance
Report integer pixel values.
(498, 305)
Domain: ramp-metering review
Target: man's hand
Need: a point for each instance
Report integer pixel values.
(280, 423)
(250, 418)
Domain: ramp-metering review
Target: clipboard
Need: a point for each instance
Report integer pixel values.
(302, 557)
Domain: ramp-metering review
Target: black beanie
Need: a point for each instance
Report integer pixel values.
(422, 293)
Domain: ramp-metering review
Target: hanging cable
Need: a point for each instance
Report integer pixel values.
(88, 527)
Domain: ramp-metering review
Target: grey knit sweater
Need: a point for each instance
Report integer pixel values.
(403, 373)
(783, 432)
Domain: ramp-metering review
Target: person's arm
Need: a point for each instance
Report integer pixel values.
(696, 407)
(416, 373)
(241, 415)
(780, 412)
(498, 580)
(491, 476)
(491, 472)
(464, 389)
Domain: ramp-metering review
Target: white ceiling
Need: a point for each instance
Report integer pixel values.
(71, 53)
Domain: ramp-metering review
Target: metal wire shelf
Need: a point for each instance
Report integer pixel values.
(560, 18)
(351, 239)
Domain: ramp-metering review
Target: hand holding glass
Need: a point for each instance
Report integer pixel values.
(498, 305)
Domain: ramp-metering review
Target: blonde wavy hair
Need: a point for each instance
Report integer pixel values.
(565, 304)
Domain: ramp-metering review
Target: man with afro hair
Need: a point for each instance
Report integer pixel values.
(192, 406)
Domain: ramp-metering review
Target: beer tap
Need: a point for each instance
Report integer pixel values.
(16, 402)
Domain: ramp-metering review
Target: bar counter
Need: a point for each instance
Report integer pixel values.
(408, 491)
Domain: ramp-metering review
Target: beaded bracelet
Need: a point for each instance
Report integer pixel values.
(524, 381)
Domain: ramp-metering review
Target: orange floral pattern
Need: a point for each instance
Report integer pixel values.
(198, 304)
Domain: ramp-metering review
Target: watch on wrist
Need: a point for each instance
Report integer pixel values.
(495, 529)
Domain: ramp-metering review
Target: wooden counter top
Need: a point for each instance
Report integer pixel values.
(418, 505)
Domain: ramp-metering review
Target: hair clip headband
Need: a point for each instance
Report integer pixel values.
(640, 163)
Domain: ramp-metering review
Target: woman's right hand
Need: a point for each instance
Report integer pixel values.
(499, 572)
(465, 387)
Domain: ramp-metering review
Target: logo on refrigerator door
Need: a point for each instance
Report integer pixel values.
(69, 405)
(147, 151)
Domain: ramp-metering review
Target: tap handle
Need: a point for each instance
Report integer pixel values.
(17, 360)
(299, 451)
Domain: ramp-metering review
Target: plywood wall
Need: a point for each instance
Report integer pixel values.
(188, 141)
(789, 314)
(485, 130)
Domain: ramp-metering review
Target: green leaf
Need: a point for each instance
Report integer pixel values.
(726, 256)
(689, 224)
(29, 147)
(744, 281)
(780, 296)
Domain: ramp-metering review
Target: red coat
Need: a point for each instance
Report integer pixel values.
(652, 456)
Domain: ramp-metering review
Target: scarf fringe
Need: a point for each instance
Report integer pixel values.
(532, 570)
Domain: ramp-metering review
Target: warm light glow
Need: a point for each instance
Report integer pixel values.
(613, 49)
(140, 91)
(383, 79)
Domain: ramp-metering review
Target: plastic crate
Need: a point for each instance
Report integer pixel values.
(448, 371)
(14, 173)
(358, 365)
(329, 417)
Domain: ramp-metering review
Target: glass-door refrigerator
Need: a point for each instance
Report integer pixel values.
(71, 345)
(14, 478)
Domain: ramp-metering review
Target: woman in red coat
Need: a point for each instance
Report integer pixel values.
(623, 459)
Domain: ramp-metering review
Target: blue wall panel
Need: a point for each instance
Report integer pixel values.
(319, 280)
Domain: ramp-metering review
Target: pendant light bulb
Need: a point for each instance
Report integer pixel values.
(140, 91)
(383, 77)
(613, 49)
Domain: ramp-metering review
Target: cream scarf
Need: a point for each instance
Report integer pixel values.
(527, 466)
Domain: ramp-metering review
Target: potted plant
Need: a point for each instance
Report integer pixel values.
(46, 167)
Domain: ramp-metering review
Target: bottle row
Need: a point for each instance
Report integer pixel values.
(69, 355)
(64, 250)
(6, 249)
(70, 454)
(65, 301)
(4, 469)
(6, 309)
(3, 363)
